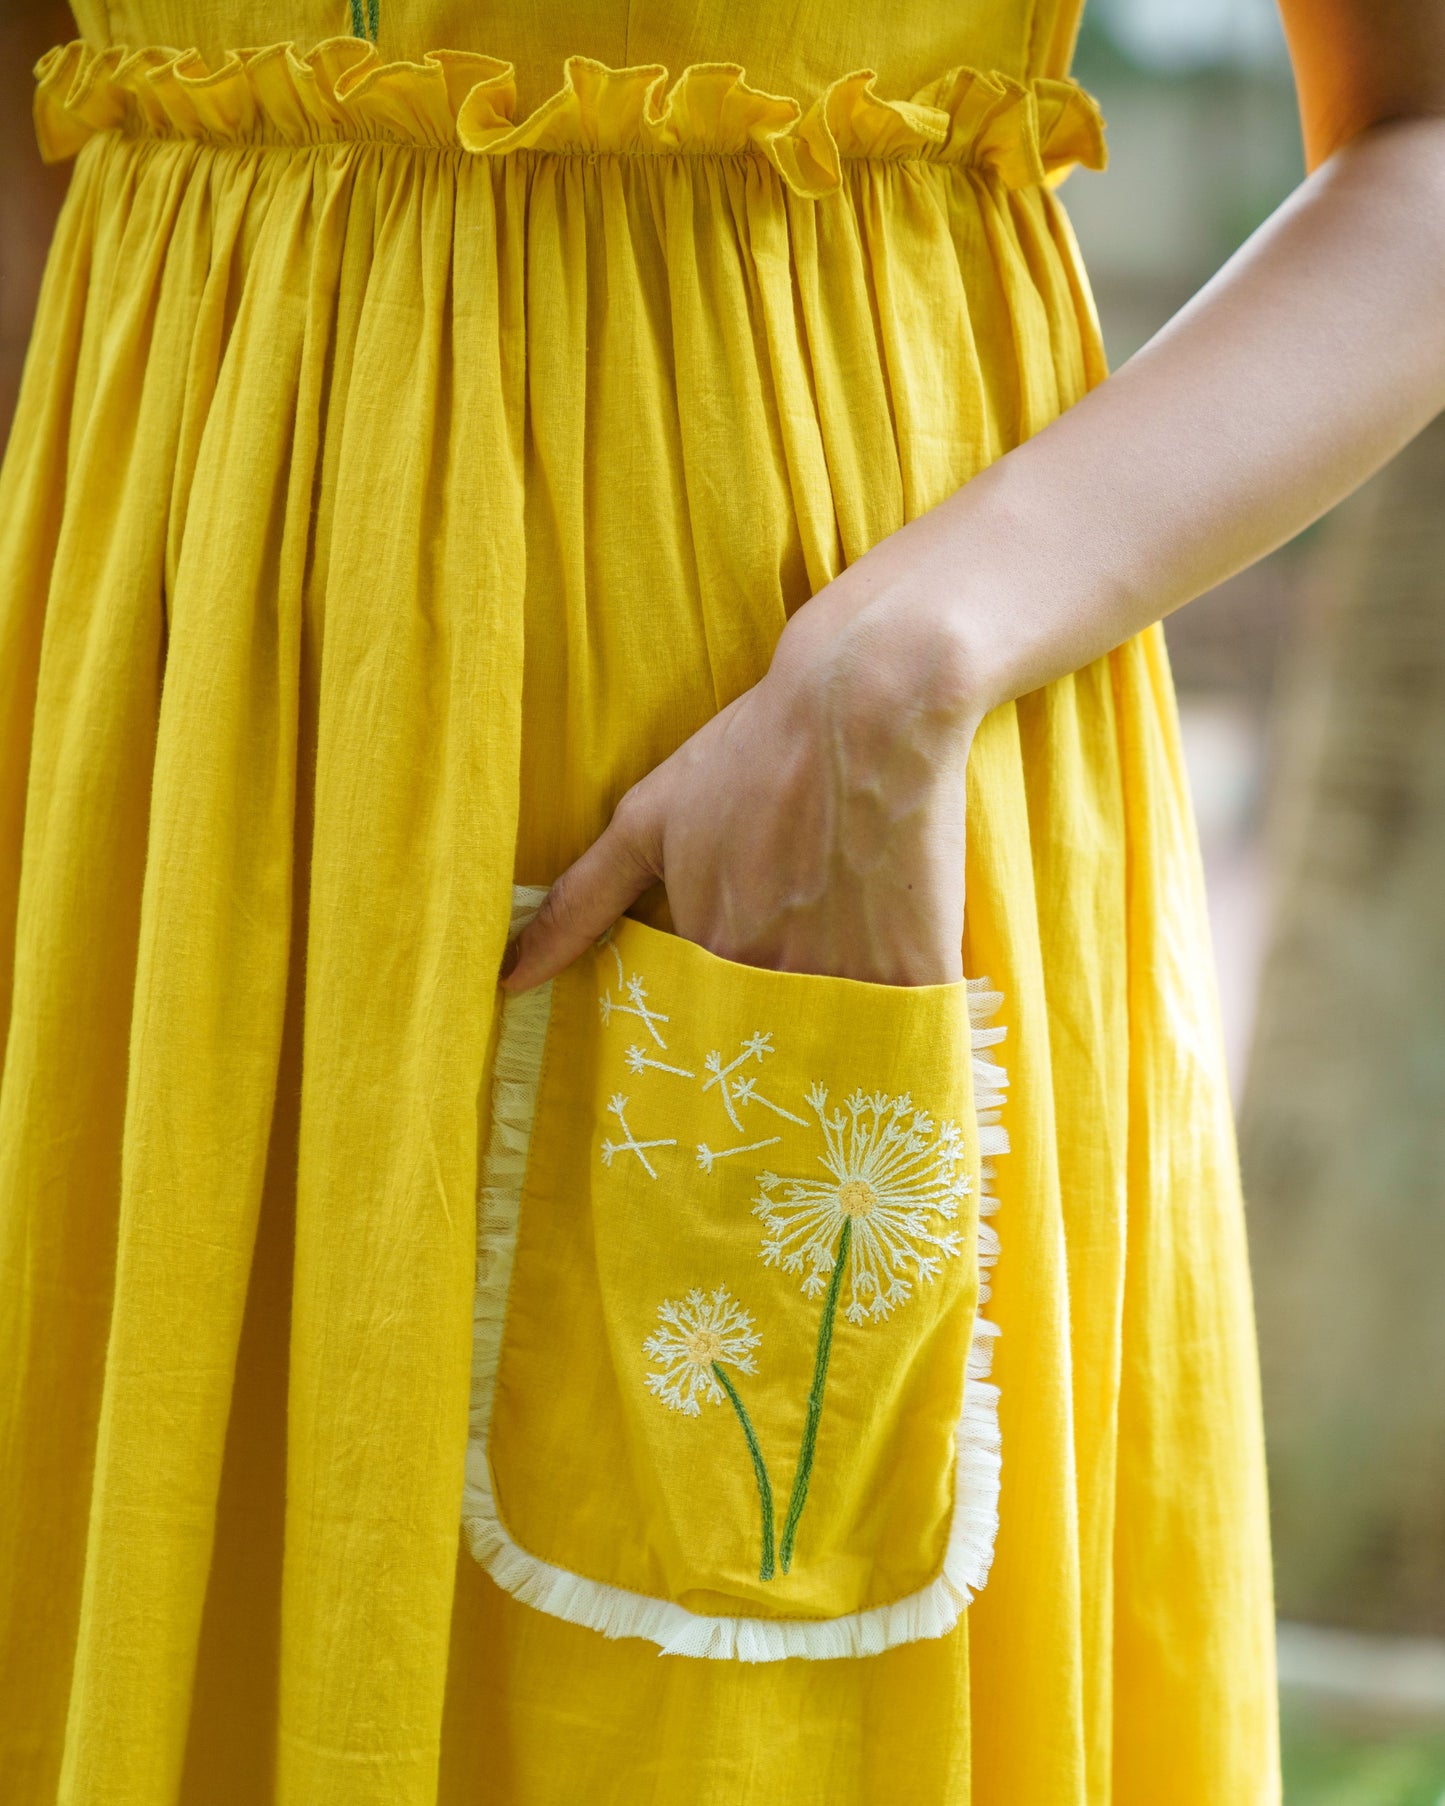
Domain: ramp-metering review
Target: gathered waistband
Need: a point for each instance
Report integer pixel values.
(1022, 132)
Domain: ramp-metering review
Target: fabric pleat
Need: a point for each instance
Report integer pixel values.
(1068, 745)
(1182, 1470)
(400, 473)
(210, 990)
(418, 736)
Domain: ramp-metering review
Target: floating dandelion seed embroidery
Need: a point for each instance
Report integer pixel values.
(708, 1157)
(617, 1104)
(639, 1060)
(633, 1002)
(891, 1174)
(745, 1091)
(695, 1337)
(735, 1092)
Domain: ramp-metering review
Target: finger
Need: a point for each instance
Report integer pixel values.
(591, 894)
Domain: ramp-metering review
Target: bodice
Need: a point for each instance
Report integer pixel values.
(791, 47)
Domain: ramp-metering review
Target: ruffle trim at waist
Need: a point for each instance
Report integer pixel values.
(1025, 132)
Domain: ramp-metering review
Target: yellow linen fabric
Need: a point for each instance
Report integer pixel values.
(792, 50)
(387, 492)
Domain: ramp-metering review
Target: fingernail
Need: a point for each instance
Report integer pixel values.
(510, 958)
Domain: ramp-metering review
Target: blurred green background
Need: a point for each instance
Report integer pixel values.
(1330, 1762)
(1312, 702)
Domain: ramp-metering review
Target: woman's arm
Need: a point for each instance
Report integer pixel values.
(817, 823)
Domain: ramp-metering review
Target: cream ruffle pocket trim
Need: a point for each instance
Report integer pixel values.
(931, 1611)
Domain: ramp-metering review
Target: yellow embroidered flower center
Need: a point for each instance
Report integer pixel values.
(705, 1346)
(856, 1198)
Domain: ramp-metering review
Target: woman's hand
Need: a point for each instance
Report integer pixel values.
(815, 824)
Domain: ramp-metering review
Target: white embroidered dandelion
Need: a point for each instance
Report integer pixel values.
(694, 1335)
(892, 1174)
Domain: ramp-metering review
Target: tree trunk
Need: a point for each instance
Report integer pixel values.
(1343, 1120)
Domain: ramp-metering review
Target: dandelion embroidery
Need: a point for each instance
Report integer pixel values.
(639, 1060)
(693, 1335)
(633, 1002)
(694, 1338)
(745, 1091)
(735, 1092)
(707, 1157)
(891, 1174)
(861, 1234)
(631, 1145)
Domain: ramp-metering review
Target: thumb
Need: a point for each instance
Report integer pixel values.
(592, 893)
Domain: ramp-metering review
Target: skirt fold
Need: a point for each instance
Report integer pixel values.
(210, 990)
(416, 784)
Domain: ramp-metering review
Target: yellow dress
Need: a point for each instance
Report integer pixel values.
(416, 446)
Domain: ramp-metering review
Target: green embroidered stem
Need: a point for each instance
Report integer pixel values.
(804, 1471)
(373, 18)
(366, 23)
(765, 1486)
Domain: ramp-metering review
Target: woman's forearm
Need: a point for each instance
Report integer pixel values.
(1312, 356)
(817, 822)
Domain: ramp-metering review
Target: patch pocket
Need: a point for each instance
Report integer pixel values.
(730, 1381)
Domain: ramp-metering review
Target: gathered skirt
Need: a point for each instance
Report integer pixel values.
(373, 517)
